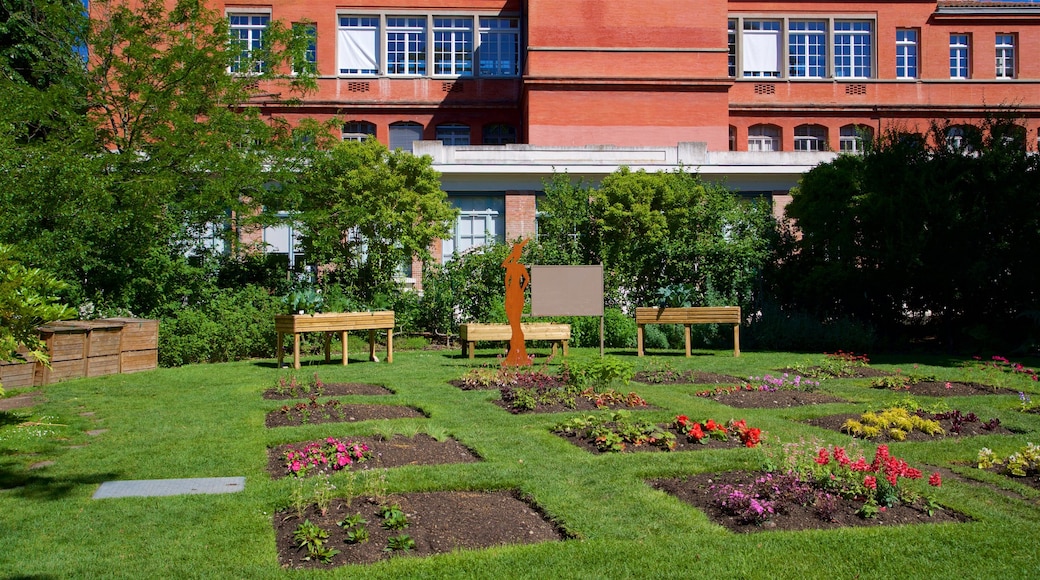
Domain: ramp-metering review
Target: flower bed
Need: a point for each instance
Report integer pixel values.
(334, 411)
(376, 453)
(290, 387)
(1022, 465)
(822, 490)
(901, 424)
(619, 432)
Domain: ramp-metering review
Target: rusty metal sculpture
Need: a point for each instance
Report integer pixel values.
(516, 280)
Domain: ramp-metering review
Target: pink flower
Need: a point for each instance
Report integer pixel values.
(935, 480)
(870, 482)
(949, 385)
(343, 460)
(295, 466)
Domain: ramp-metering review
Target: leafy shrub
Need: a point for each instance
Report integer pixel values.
(231, 325)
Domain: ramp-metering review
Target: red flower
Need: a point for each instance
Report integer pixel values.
(751, 437)
(696, 432)
(823, 458)
(870, 482)
(841, 457)
(935, 480)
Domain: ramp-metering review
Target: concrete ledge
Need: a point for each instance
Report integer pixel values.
(161, 487)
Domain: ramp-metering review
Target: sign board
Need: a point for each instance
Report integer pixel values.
(567, 290)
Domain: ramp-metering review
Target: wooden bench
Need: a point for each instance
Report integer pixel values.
(472, 332)
(688, 316)
(341, 322)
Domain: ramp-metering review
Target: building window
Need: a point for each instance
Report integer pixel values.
(763, 138)
(906, 53)
(732, 138)
(498, 134)
(959, 51)
(357, 45)
(406, 45)
(853, 49)
(1005, 56)
(499, 47)
(453, 134)
(453, 46)
(807, 49)
(810, 138)
(247, 32)
(309, 63)
(731, 44)
(481, 221)
(358, 130)
(402, 135)
(761, 48)
(1010, 135)
(853, 138)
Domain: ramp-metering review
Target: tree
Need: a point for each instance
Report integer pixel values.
(566, 228)
(27, 300)
(926, 230)
(367, 211)
(162, 145)
(672, 228)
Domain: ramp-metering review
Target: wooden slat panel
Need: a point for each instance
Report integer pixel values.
(690, 315)
(103, 365)
(138, 333)
(17, 375)
(532, 331)
(332, 321)
(139, 360)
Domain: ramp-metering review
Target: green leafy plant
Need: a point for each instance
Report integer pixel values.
(401, 543)
(312, 538)
(306, 300)
(896, 422)
(393, 517)
(354, 526)
(1025, 461)
(617, 431)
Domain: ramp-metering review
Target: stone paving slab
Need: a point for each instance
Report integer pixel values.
(160, 487)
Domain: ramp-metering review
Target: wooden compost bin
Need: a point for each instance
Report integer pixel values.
(139, 344)
(18, 373)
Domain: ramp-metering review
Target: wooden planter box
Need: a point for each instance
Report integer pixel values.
(329, 322)
(688, 316)
(18, 373)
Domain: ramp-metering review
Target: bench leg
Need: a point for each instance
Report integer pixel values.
(472, 346)
(639, 339)
(371, 344)
(390, 345)
(343, 339)
(686, 336)
(564, 349)
(554, 348)
(736, 340)
(328, 347)
(296, 351)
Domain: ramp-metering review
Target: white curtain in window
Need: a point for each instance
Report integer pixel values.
(761, 50)
(356, 50)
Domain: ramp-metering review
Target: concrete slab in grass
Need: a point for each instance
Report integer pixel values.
(160, 487)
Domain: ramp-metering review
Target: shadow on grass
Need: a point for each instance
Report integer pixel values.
(18, 482)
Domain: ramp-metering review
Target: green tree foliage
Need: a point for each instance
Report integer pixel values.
(672, 228)
(27, 300)
(924, 230)
(567, 233)
(158, 142)
(367, 211)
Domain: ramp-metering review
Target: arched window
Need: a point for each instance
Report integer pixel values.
(402, 134)
(499, 134)
(453, 134)
(358, 130)
(763, 138)
(810, 138)
(1009, 134)
(853, 138)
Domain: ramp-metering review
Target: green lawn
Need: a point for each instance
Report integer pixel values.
(208, 421)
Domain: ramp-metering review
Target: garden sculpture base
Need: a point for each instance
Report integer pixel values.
(341, 322)
(688, 316)
(471, 333)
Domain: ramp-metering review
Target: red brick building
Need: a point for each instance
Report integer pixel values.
(752, 91)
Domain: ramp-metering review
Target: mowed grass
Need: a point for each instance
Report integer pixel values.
(208, 421)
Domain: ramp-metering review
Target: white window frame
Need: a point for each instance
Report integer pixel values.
(406, 46)
(498, 49)
(906, 53)
(810, 137)
(761, 48)
(310, 56)
(807, 49)
(357, 45)
(453, 134)
(764, 137)
(248, 36)
(853, 49)
(357, 130)
(485, 216)
(453, 46)
(1005, 55)
(850, 139)
(960, 55)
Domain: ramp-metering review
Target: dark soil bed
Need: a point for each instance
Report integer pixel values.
(696, 491)
(335, 412)
(543, 381)
(395, 452)
(682, 443)
(952, 389)
(438, 522)
(857, 373)
(685, 378)
(330, 390)
(773, 399)
(834, 423)
(580, 404)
